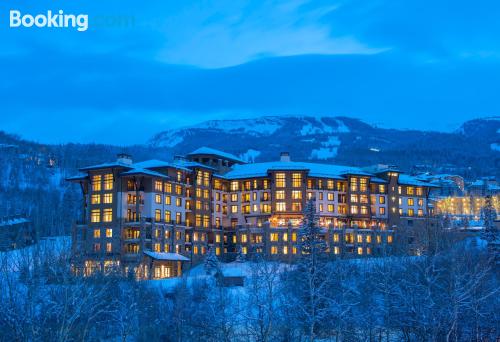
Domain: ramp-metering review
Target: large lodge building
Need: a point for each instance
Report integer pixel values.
(152, 218)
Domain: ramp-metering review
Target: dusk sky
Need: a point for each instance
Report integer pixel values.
(147, 66)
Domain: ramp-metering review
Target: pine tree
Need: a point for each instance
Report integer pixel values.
(211, 262)
(240, 257)
(491, 234)
(311, 276)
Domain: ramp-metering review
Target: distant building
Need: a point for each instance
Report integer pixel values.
(151, 218)
(15, 232)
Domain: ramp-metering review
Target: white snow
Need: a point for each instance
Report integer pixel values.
(319, 127)
(250, 155)
(323, 153)
(258, 127)
(374, 149)
(495, 146)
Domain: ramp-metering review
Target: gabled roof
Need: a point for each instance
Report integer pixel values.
(214, 152)
(80, 176)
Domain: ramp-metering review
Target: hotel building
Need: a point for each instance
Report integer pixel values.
(154, 218)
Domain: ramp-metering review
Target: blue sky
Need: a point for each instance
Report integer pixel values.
(143, 67)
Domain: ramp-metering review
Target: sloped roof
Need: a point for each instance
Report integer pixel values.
(106, 166)
(409, 180)
(166, 256)
(213, 151)
(315, 170)
(138, 171)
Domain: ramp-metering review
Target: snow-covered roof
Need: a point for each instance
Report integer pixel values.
(13, 221)
(315, 170)
(166, 256)
(79, 176)
(409, 180)
(137, 171)
(212, 151)
(106, 166)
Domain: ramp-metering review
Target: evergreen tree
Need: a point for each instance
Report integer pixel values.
(211, 262)
(240, 257)
(491, 234)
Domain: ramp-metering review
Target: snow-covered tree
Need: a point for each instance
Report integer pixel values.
(491, 234)
(211, 262)
(309, 281)
(240, 257)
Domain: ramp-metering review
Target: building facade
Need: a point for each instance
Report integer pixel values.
(153, 218)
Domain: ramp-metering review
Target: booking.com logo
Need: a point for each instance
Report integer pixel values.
(60, 19)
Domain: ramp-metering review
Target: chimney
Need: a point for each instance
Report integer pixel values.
(285, 157)
(124, 158)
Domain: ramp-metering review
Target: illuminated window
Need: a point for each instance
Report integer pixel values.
(95, 199)
(360, 238)
(97, 247)
(234, 209)
(336, 250)
(354, 210)
(330, 184)
(331, 208)
(178, 201)
(360, 250)
(168, 217)
(411, 212)
(168, 200)
(410, 190)
(389, 238)
(157, 215)
(96, 183)
(285, 236)
(244, 238)
(107, 215)
(285, 249)
(354, 198)
(108, 198)
(369, 239)
(296, 194)
(178, 190)
(109, 247)
(331, 196)
(97, 233)
(296, 206)
(166, 248)
(419, 192)
(381, 199)
(335, 237)
(178, 218)
(280, 194)
(109, 232)
(379, 239)
(364, 210)
(274, 250)
(281, 206)
(420, 202)
(158, 199)
(296, 180)
(381, 211)
(410, 201)
(206, 221)
(95, 216)
(108, 181)
(234, 186)
(363, 199)
(280, 180)
(179, 176)
(294, 237)
(363, 184)
(420, 212)
(158, 186)
(381, 188)
(354, 184)
(321, 207)
(274, 237)
(168, 187)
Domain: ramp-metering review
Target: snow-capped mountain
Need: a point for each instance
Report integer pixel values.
(471, 149)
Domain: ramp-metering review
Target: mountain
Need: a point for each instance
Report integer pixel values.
(471, 151)
(32, 175)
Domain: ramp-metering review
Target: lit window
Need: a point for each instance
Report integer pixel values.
(158, 199)
(109, 232)
(178, 202)
(360, 238)
(108, 198)
(96, 183)
(168, 200)
(281, 206)
(336, 250)
(95, 216)
(330, 184)
(285, 249)
(419, 192)
(234, 209)
(389, 238)
(411, 212)
(420, 212)
(354, 184)
(157, 215)
(97, 233)
(381, 211)
(364, 210)
(363, 184)
(108, 181)
(354, 210)
(410, 190)
(109, 247)
(168, 216)
(381, 188)
(95, 199)
(274, 250)
(234, 186)
(410, 201)
(296, 194)
(107, 215)
(244, 238)
(331, 196)
(360, 250)
(296, 180)
(280, 194)
(369, 239)
(335, 237)
(381, 199)
(274, 237)
(178, 218)
(354, 198)
(168, 187)
(280, 180)
(330, 208)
